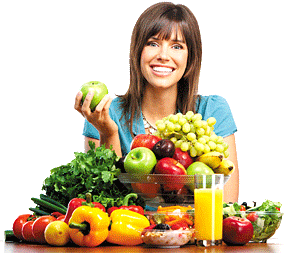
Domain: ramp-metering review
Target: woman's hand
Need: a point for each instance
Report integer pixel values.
(99, 118)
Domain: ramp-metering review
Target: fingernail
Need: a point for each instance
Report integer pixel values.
(90, 93)
(79, 93)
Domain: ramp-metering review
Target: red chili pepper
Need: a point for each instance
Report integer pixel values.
(76, 202)
(134, 208)
(73, 204)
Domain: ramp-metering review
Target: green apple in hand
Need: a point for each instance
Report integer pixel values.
(99, 89)
(140, 160)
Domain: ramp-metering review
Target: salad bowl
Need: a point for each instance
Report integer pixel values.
(266, 218)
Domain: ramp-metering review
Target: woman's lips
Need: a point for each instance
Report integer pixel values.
(162, 70)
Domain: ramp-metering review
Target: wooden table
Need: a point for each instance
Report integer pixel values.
(273, 245)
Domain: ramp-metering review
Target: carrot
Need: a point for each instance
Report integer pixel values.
(173, 208)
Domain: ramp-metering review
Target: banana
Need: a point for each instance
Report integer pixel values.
(226, 167)
(212, 159)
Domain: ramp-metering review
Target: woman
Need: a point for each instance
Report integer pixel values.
(165, 61)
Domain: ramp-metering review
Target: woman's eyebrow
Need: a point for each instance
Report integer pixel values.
(174, 40)
(180, 41)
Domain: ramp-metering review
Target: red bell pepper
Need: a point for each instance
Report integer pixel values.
(76, 202)
(134, 208)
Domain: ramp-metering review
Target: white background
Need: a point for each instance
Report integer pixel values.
(50, 48)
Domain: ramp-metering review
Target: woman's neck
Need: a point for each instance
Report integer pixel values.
(158, 103)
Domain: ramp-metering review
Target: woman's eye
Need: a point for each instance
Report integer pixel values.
(177, 46)
(152, 44)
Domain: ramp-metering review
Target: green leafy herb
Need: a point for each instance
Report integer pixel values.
(93, 172)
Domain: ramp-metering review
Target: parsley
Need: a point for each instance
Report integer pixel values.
(93, 172)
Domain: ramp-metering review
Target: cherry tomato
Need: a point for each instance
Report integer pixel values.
(39, 226)
(18, 224)
(27, 231)
(252, 216)
(277, 208)
(242, 208)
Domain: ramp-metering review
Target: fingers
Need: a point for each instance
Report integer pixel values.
(77, 105)
(86, 104)
(104, 104)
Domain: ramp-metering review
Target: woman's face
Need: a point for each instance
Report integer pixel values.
(163, 62)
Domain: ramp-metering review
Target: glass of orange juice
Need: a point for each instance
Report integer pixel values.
(208, 204)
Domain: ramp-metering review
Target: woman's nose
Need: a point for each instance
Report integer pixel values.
(163, 54)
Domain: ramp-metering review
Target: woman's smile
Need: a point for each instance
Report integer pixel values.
(162, 70)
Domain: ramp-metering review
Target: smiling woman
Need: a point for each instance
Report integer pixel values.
(165, 61)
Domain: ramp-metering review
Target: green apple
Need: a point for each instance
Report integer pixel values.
(99, 89)
(140, 160)
(199, 168)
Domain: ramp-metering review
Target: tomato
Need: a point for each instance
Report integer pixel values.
(253, 216)
(242, 208)
(277, 208)
(57, 214)
(18, 224)
(61, 218)
(27, 231)
(39, 226)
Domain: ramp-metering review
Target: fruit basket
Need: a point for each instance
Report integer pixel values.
(162, 189)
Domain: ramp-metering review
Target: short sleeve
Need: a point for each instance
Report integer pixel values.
(90, 131)
(217, 107)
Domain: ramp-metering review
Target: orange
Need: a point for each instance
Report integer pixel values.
(56, 233)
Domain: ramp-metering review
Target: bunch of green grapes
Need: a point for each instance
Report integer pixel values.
(191, 133)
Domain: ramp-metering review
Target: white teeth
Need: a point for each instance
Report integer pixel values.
(162, 69)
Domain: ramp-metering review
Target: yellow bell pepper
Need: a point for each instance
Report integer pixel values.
(88, 226)
(126, 227)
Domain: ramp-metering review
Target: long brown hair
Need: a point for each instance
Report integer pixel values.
(160, 19)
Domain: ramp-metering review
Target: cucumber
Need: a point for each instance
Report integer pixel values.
(49, 206)
(38, 211)
(10, 237)
(52, 201)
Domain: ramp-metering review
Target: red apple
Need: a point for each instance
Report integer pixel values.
(170, 166)
(183, 157)
(144, 140)
(237, 231)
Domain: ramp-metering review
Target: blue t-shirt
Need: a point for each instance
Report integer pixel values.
(210, 106)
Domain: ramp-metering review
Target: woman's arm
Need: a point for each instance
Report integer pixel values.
(100, 119)
(231, 188)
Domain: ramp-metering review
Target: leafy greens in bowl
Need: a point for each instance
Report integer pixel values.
(265, 218)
